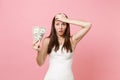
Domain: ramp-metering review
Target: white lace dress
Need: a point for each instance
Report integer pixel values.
(60, 65)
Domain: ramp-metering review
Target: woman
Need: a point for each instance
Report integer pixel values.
(60, 46)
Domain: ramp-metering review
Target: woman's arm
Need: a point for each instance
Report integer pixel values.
(81, 33)
(41, 52)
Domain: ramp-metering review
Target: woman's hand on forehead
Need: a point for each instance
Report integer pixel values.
(60, 17)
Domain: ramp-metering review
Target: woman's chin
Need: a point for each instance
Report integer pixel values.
(60, 34)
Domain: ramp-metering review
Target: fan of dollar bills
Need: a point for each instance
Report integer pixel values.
(38, 33)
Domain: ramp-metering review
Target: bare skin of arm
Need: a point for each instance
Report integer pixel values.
(41, 51)
(81, 33)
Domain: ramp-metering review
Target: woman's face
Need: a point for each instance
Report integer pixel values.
(60, 27)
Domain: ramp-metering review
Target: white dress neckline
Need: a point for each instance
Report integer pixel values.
(60, 65)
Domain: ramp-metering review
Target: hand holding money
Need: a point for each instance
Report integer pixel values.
(38, 33)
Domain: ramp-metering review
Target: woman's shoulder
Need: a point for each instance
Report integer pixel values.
(46, 40)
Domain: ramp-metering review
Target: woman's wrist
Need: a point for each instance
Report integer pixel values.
(68, 20)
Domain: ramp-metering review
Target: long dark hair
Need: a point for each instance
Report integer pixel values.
(54, 39)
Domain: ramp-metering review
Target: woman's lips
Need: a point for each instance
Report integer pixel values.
(60, 31)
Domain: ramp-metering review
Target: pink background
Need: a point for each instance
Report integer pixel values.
(97, 56)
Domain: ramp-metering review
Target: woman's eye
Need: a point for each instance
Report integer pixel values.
(57, 23)
(63, 23)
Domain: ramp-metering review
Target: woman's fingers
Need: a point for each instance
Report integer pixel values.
(35, 42)
(36, 45)
(60, 17)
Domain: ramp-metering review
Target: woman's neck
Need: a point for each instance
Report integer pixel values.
(60, 37)
(61, 40)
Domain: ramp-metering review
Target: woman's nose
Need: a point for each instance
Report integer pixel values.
(61, 26)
